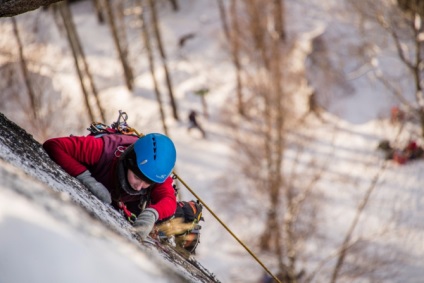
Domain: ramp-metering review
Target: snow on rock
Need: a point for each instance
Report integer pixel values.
(53, 230)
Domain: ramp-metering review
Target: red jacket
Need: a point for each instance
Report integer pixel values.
(78, 154)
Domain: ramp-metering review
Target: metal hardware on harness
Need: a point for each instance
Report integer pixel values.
(131, 217)
(97, 128)
(119, 150)
(118, 124)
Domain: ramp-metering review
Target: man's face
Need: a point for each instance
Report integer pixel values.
(135, 182)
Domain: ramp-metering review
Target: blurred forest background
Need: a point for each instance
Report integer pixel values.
(280, 91)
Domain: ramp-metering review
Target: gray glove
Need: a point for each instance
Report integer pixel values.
(95, 187)
(145, 222)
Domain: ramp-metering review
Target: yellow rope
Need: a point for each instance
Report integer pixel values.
(219, 220)
(226, 227)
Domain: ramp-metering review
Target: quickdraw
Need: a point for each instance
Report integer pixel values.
(131, 217)
(118, 127)
(97, 128)
(122, 126)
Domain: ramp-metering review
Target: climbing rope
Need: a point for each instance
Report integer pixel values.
(227, 228)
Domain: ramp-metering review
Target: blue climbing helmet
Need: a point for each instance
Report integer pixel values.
(155, 155)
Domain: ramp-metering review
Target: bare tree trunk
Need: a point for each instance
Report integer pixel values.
(344, 247)
(279, 19)
(147, 44)
(278, 154)
(86, 70)
(274, 122)
(223, 16)
(414, 6)
(257, 28)
(235, 53)
(99, 11)
(163, 57)
(69, 27)
(83, 70)
(121, 27)
(174, 4)
(267, 236)
(128, 74)
(282, 238)
(24, 69)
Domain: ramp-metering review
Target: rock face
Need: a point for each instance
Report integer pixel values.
(20, 151)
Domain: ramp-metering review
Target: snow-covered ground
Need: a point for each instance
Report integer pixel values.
(346, 145)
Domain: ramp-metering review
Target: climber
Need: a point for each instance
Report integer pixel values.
(131, 173)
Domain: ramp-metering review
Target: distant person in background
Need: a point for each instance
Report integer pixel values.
(411, 151)
(194, 124)
(128, 172)
(396, 115)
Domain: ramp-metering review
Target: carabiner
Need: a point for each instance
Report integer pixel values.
(119, 150)
(132, 218)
